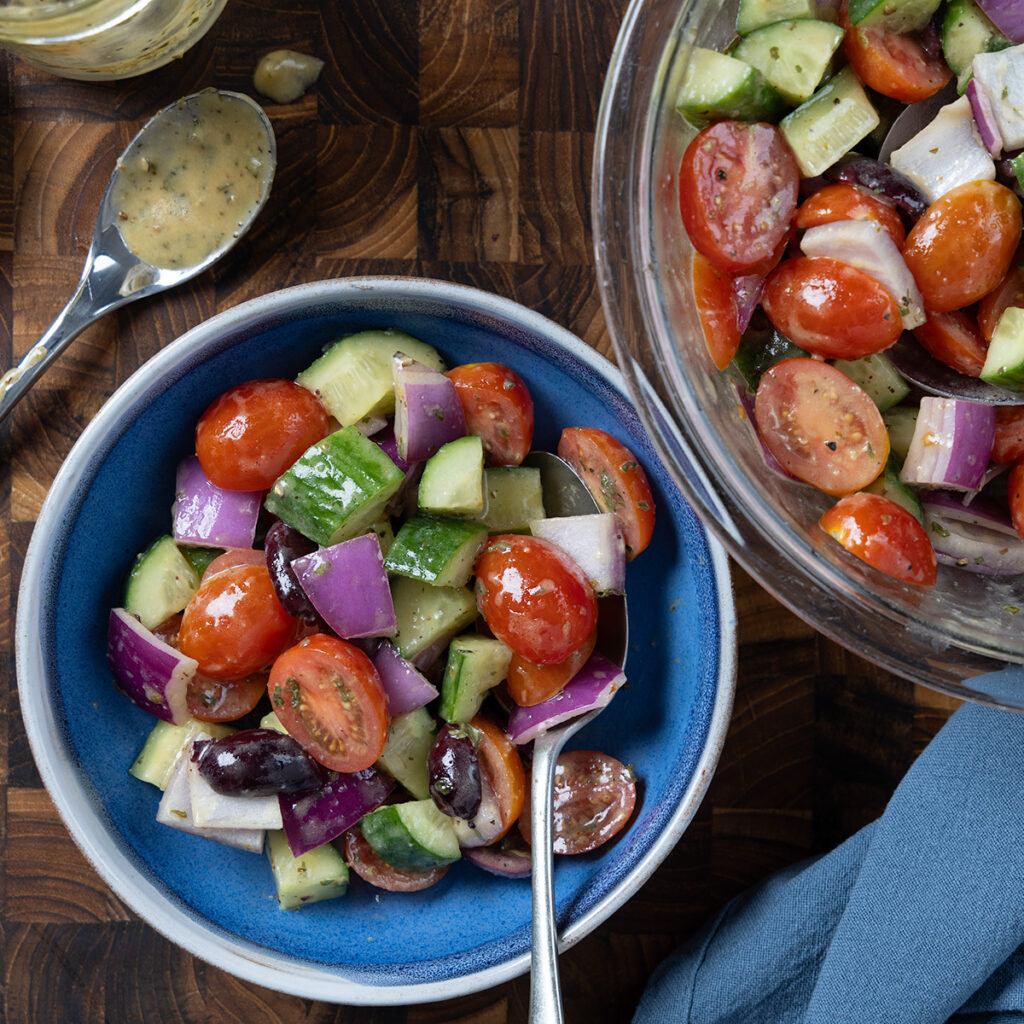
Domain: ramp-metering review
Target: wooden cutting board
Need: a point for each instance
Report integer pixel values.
(444, 139)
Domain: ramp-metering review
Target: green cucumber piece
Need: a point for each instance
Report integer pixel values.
(414, 836)
(200, 558)
(161, 583)
(475, 665)
(967, 31)
(717, 86)
(453, 479)
(761, 349)
(404, 757)
(1017, 166)
(877, 375)
(271, 721)
(1004, 361)
(889, 485)
(427, 616)
(830, 123)
(900, 421)
(437, 551)
(319, 874)
(337, 489)
(354, 377)
(754, 14)
(165, 742)
(513, 496)
(792, 55)
(893, 15)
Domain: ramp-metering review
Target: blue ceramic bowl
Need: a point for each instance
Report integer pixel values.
(113, 495)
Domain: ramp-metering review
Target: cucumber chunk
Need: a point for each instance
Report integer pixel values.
(337, 489)
(436, 550)
(889, 485)
(877, 375)
(404, 756)
(792, 55)
(164, 743)
(830, 123)
(161, 583)
(513, 496)
(718, 86)
(453, 479)
(967, 31)
(475, 665)
(755, 14)
(428, 616)
(319, 874)
(900, 421)
(893, 15)
(1004, 361)
(354, 377)
(760, 350)
(415, 836)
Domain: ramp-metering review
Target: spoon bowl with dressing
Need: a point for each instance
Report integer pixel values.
(187, 187)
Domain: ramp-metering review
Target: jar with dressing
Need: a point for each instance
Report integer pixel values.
(100, 40)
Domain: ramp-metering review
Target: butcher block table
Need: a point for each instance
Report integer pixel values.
(448, 139)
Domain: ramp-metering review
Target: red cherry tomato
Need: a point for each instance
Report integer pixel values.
(884, 535)
(1008, 445)
(954, 339)
(894, 64)
(715, 298)
(843, 201)
(498, 407)
(330, 698)
(503, 767)
(370, 867)
(961, 246)
(1009, 292)
(232, 557)
(831, 308)
(234, 625)
(594, 797)
(224, 700)
(534, 597)
(615, 479)
(737, 192)
(252, 433)
(529, 684)
(821, 427)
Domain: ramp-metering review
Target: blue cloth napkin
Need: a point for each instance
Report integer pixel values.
(919, 917)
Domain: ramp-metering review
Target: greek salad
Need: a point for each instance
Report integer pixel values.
(361, 616)
(836, 274)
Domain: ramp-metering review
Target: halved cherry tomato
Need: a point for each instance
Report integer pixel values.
(253, 432)
(715, 298)
(843, 201)
(894, 64)
(737, 192)
(1008, 445)
(616, 480)
(370, 867)
(529, 683)
(234, 625)
(954, 339)
(883, 534)
(498, 407)
(232, 557)
(1009, 292)
(503, 767)
(831, 308)
(534, 597)
(961, 247)
(224, 700)
(330, 698)
(594, 797)
(1015, 495)
(821, 427)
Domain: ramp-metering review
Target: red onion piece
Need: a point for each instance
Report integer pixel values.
(594, 542)
(312, 819)
(1000, 76)
(428, 411)
(407, 688)
(388, 443)
(208, 515)
(1007, 16)
(985, 118)
(507, 859)
(747, 405)
(978, 537)
(592, 687)
(952, 444)
(348, 586)
(153, 674)
(746, 289)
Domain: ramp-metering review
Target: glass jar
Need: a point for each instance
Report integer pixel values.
(99, 40)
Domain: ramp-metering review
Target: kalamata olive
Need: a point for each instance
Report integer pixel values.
(453, 769)
(879, 177)
(257, 762)
(284, 543)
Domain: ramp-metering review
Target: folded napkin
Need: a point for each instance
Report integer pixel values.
(919, 917)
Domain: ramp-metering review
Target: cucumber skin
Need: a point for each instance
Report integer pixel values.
(893, 15)
(453, 479)
(388, 831)
(754, 100)
(436, 550)
(161, 582)
(475, 665)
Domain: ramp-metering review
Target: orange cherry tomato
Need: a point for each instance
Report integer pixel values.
(843, 201)
(232, 557)
(529, 683)
(954, 339)
(831, 308)
(234, 625)
(330, 698)
(961, 247)
(1009, 292)
(498, 407)
(737, 192)
(894, 64)
(224, 700)
(253, 432)
(884, 535)
(364, 860)
(501, 763)
(616, 480)
(821, 427)
(715, 299)
(1008, 445)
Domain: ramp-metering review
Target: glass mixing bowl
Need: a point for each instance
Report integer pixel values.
(951, 636)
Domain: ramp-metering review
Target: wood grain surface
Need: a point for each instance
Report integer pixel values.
(445, 138)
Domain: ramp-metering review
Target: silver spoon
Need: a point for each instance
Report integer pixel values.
(565, 494)
(114, 274)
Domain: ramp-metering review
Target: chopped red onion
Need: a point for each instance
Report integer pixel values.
(407, 688)
(978, 537)
(594, 542)
(1007, 16)
(984, 117)
(209, 515)
(1000, 76)
(746, 289)
(508, 859)
(747, 405)
(952, 444)
(428, 411)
